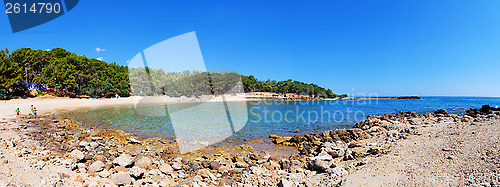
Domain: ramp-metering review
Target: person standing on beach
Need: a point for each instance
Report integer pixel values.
(17, 111)
(34, 111)
(31, 109)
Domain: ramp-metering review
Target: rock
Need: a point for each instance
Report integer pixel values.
(285, 183)
(320, 165)
(136, 172)
(223, 169)
(123, 160)
(69, 163)
(104, 173)
(167, 183)
(205, 173)
(356, 144)
(272, 165)
(296, 131)
(324, 157)
(122, 169)
(76, 155)
(83, 144)
(135, 141)
(338, 171)
(96, 167)
(374, 151)
(215, 165)
(177, 165)
(94, 145)
(144, 163)
(166, 168)
(121, 178)
(278, 139)
(40, 164)
(241, 164)
(81, 167)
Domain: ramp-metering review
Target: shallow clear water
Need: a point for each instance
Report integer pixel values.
(256, 119)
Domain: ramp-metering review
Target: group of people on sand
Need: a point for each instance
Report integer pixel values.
(32, 108)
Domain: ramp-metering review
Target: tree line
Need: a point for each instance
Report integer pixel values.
(68, 74)
(62, 71)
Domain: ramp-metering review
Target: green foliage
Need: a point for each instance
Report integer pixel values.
(61, 69)
(251, 84)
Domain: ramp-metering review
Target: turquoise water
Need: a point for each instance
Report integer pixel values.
(256, 119)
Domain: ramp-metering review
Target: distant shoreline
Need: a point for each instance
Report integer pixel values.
(381, 98)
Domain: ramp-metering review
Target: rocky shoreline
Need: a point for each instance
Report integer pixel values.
(50, 151)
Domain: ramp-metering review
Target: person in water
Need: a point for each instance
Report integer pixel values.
(17, 111)
(34, 111)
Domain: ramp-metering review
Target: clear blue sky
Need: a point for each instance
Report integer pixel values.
(386, 47)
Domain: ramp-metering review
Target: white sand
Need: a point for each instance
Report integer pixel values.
(57, 104)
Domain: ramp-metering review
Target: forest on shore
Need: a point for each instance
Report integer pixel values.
(62, 73)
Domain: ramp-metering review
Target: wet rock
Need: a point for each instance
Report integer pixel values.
(76, 155)
(441, 111)
(96, 167)
(121, 178)
(123, 160)
(278, 139)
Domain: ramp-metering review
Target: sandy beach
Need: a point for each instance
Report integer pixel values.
(399, 149)
(50, 105)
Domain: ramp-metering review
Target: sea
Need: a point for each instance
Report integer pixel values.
(251, 119)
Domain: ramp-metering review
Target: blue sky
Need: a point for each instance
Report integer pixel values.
(383, 47)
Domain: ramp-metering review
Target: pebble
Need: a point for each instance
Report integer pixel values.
(136, 172)
(76, 155)
(121, 178)
(124, 160)
(144, 162)
(96, 167)
(166, 168)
